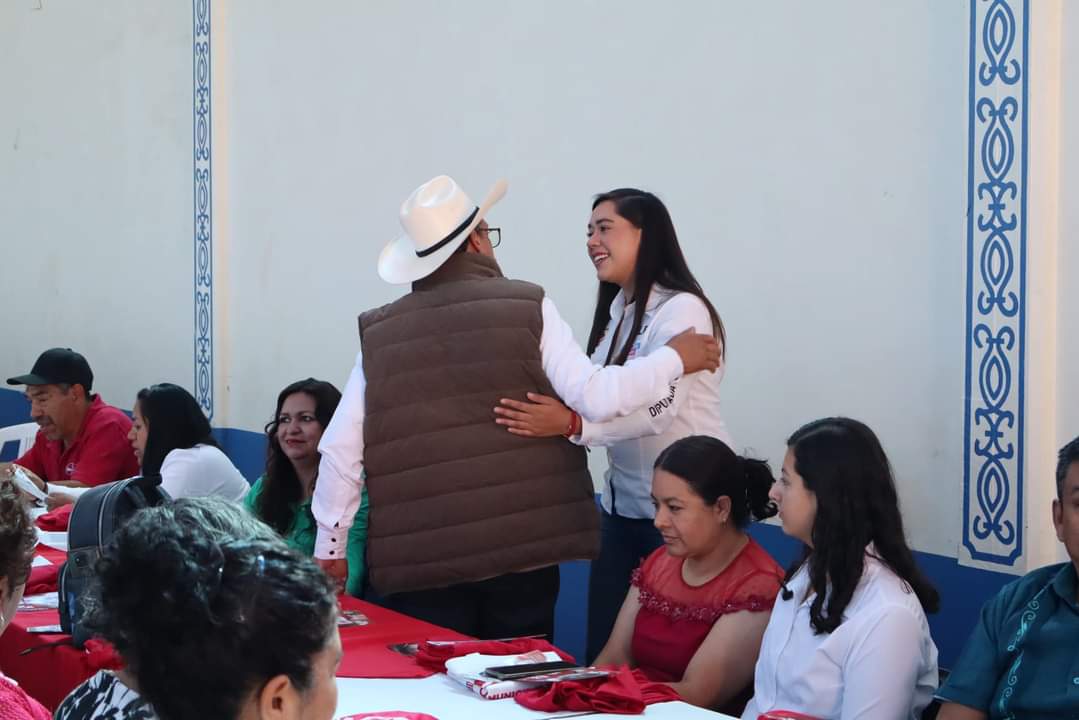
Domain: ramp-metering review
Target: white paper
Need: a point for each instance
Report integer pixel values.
(44, 600)
(55, 540)
(26, 484)
(39, 561)
(468, 670)
(473, 664)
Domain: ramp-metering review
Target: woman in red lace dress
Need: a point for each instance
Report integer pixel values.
(697, 608)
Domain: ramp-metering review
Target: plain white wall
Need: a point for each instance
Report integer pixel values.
(812, 155)
(95, 188)
(1068, 268)
(1068, 256)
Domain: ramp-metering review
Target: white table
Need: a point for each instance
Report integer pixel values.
(446, 700)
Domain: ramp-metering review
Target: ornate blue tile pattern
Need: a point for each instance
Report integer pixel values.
(996, 281)
(204, 278)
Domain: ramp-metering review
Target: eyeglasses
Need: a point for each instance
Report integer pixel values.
(497, 239)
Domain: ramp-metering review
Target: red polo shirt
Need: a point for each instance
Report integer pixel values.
(101, 452)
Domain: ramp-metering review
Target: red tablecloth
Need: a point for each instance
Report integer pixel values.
(47, 673)
(366, 648)
(51, 672)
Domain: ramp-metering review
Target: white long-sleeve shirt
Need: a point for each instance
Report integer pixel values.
(879, 664)
(689, 406)
(596, 394)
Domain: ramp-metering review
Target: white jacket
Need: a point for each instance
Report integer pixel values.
(689, 406)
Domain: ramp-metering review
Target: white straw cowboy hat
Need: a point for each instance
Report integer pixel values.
(436, 217)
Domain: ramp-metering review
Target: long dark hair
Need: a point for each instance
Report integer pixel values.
(200, 594)
(713, 470)
(659, 261)
(281, 488)
(841, 461)
(174, 420)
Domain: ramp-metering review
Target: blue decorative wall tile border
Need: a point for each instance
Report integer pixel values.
(203, 178)
(996, 281)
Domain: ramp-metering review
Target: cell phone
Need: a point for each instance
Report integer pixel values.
(512, 672)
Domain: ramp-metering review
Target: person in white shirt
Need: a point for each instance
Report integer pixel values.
(647, 294)
(848, 637)
(171, 436)
(459, 343)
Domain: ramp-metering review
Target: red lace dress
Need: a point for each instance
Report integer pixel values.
(674, 618)
(15, 704)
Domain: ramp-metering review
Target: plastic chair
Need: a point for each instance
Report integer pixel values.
(24, 434)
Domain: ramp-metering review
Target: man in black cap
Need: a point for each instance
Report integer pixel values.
(82, 441)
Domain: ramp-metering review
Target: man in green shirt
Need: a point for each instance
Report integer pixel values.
(1022, 660)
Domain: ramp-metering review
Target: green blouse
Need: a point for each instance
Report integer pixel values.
(301, 535)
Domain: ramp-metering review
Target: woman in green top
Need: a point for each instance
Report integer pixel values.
(282, 496)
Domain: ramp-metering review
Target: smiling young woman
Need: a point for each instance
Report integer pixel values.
(647, 294)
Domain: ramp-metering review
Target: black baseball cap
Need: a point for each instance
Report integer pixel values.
(56, 366)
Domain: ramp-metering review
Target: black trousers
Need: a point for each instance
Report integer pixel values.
(505, 606)
(624, 543)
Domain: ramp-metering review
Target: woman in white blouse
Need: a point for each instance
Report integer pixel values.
(647, 295)
(848, 638)
(171, 436)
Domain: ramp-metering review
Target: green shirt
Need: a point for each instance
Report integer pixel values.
(301, 535)
(1022, 660)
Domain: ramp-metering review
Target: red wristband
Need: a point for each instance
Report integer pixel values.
(574, 425)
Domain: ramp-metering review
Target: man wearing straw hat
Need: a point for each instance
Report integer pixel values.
(468, 523)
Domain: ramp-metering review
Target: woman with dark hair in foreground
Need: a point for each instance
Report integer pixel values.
(215, 616)
(848, 637)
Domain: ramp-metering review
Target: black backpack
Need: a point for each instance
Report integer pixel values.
(97, 514)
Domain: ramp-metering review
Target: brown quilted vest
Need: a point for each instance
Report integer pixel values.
(454, 497)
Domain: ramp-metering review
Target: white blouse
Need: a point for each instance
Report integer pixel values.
(879, 664)
(199, 471)
(202, 471)
(689, 406)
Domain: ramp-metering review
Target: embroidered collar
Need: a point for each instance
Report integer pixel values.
(655, 298)
(1065, 584)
